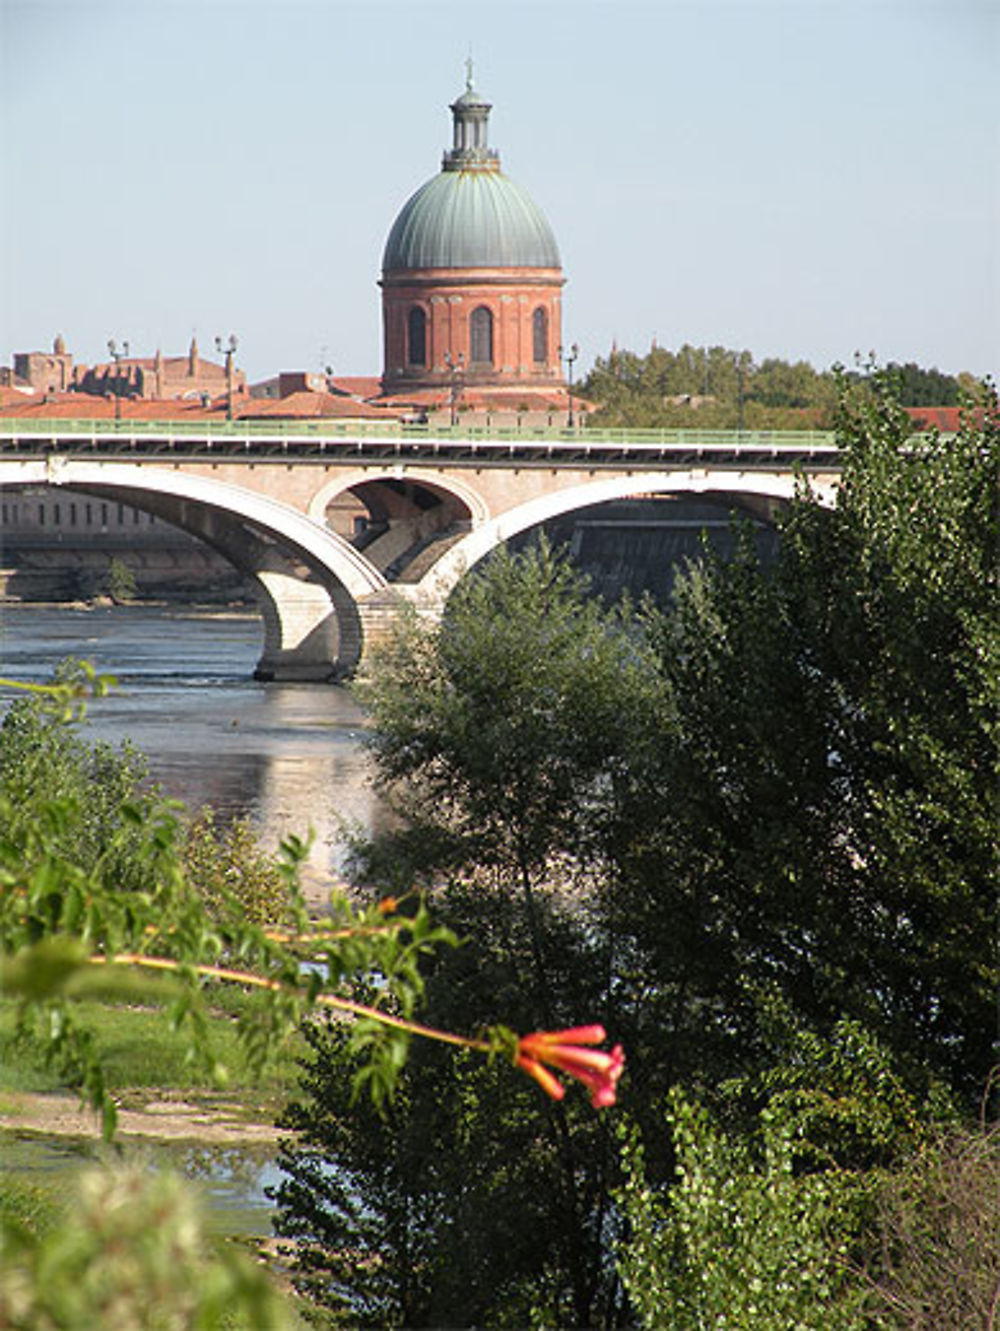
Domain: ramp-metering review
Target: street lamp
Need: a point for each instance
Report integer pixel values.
(569, 358)
(455, 368)
(117, 356)
(228, 351)
(739, 397)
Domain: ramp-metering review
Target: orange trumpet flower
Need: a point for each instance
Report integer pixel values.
(599, 1071)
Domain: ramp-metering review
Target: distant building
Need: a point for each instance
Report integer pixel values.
(159, 377)
(43, 371)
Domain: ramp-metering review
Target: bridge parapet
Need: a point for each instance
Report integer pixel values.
(361, 442)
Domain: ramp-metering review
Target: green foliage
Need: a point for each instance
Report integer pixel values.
(130, 1251)
(471, 1199)
(707, 388)
(713, 388)
(768, 806)
(504, 730)
(772, 1211)
(90, 795)
(841, 1203)
(917, 387)
(119, 581)
(26, 1206)
(426, 1215)
(828, 758)
(93, 894)
(741, 1240)
(227, 868)
(505, 735)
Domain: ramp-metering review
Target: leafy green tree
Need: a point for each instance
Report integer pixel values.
(918, 387)
(780, 791)
(120, 581)
(826, 767)
(503, 734)
(225, 865)
(769, 1224)
(94, 792)
(69, 930)
(707, 388)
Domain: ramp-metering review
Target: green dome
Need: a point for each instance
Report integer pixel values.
(470, 219)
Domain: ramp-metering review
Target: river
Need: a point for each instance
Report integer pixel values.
(288, 756)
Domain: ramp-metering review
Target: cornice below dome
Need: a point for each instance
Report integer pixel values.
(470, 219)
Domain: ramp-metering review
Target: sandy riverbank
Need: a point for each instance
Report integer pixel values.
(209, 1121)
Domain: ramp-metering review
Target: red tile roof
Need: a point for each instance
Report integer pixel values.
(308, 405)
(358, 385)
(89, 407)
(946, 419)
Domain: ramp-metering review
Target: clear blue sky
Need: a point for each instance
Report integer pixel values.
(804, 178)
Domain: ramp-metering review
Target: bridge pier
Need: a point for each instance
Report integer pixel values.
(301, 633)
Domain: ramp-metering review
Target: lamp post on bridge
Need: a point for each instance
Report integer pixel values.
(739, 399)
(569, 357)
(455, 369)
(117, 356)
(228, 351)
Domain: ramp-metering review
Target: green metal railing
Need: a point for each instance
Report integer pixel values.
(19, 426)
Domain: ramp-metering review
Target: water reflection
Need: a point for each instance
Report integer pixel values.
(232, 1180)
(288, 756)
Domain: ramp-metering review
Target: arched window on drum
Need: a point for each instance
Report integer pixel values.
(416, 338)
(540, 336)
(481, 336)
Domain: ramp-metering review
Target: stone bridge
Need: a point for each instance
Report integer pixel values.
(338, 524)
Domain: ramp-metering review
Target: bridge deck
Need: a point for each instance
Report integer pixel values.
(357, 442)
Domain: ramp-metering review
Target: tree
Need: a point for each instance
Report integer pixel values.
(778, 794)
(502, 734)
(120, 581)
(773, 1214)
(661, 388)
(918, 387)
(97, 790)
(70, 927)
(828, 761)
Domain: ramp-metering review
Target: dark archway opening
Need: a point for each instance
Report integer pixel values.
(639, 544)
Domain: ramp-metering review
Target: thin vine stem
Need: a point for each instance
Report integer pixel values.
(327, 1000)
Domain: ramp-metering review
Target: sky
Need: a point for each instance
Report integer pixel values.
(806, 179)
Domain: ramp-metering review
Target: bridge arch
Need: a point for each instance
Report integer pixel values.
(408, 515)
(310, 582)
(451, 486)
(437, 585)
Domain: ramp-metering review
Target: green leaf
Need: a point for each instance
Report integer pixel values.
(43, 970)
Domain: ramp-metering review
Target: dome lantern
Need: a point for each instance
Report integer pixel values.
(470, 148)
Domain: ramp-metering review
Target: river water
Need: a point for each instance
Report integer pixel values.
(288, 756)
